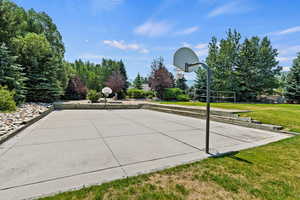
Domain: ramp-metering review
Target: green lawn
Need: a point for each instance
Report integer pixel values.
(269, 172)
(286, 115)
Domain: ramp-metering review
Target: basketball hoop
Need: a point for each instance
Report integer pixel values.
(106, 91)
(187, 60)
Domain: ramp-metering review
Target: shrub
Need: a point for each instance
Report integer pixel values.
(149, 94)
(172, 93)
(93, 96)
(76, 89)
(136, 93)
(7, 102)
(183, 97)
(121, 94)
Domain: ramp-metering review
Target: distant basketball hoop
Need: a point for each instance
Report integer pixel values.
(106, 91)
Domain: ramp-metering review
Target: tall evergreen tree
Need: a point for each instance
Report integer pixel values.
(13, 21)
(181, 83)
(41, 23)
(222, 59)
(40, 67)
(249, 68)
(137, 83)
(122, 70)
(11, 74)
(292, 92)
(268, 66)
(257, 69)
(246, 70)
(200, 85)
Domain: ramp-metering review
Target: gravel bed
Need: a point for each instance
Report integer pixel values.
(12, 121)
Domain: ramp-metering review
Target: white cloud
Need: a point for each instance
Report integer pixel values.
(185, 44)
(289, 50)
(201, 46)
(188, 31)
(233, 7)
(153, 29)
(122, 45)
(144, 51)
(90, 56)
(202, 52)
(105, 4)
(287, 31)
(285, 58)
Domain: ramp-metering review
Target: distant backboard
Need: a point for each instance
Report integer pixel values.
(185, 56)
(107, 91)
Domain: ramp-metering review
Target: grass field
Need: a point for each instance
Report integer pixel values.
(286, 115)
(269, 172)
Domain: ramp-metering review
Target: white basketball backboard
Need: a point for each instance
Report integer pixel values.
(185, 56)
(106, 91)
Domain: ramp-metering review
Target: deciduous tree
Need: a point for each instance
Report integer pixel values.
(76, 89)
(116, 81)
(160, 77)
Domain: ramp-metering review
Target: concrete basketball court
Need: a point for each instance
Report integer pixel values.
(70, 149)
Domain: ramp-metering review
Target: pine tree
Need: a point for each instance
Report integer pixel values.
(249, 68)
(122, 70)
(200, 85)
(181, 83)
(137, 83)
(292, 92)
(257, 69)
(268, 67)
(222, 59)
(12, 21)
(11, 74)
(246, 70)
(40, 66)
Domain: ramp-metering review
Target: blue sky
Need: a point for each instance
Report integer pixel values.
(137, 31)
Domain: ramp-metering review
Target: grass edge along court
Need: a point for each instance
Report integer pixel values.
(286, 115)
(267, 172)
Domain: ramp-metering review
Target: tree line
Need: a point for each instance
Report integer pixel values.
(248, 68)
(32, 60)
(33, 66)
(97, 76)
(32, 53)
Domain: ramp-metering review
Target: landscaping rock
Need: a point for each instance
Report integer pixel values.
(12, 121)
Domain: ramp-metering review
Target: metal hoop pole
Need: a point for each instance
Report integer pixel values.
(207, 100)
(207, 109)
